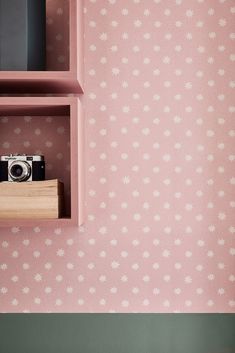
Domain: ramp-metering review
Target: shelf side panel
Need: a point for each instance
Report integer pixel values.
(81, 164)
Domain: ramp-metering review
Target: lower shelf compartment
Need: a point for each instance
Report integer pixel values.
(53, 127)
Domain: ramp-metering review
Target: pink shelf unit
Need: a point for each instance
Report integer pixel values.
(27, 124)
(64, 55)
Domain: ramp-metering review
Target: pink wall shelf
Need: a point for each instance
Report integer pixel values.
(40, 136)
(63, 74)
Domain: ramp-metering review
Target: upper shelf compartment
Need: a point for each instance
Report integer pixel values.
(64, 54)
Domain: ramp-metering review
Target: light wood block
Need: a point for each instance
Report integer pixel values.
(31, 200)
(32, 188)
(30, 207)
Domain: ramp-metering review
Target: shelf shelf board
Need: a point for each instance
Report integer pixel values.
(60, 222)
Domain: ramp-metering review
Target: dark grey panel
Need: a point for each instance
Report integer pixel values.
(36, 35)
(118, 333)
(22, 35)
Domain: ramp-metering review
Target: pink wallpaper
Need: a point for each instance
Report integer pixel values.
(160, 229)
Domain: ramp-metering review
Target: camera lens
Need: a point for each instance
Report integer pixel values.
(16, 171)
(19, 171)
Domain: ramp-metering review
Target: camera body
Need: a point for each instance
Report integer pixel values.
(19, 168)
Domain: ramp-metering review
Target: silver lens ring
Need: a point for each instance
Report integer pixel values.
(19, 171)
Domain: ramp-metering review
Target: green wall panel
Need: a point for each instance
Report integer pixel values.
(117, 333)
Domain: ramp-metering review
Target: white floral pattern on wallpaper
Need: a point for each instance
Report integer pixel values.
(159, 234)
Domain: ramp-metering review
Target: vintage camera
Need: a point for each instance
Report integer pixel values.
(20, 167)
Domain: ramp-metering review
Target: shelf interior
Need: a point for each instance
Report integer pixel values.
(44, 134)
(57, 35)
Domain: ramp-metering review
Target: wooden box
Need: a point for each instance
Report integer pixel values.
(31, 200)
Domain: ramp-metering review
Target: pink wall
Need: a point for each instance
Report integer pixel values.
(160, 128)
